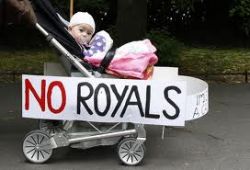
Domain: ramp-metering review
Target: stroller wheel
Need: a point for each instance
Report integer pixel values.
(126, 155)
(32, 146)
(50, 126)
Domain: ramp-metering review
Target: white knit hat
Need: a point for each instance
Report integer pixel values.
(82, 18)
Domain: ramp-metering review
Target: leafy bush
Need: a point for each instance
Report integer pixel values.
(241, 11)
(168, 48)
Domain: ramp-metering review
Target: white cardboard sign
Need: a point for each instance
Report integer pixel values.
(197, 99)
(157, 102)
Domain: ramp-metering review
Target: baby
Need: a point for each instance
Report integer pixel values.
(132, 60)
(82, 28)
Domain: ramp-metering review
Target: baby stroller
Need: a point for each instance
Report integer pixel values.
(38, 144)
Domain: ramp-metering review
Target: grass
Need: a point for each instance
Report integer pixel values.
(215, 60)
(25, 60)
(13, 63)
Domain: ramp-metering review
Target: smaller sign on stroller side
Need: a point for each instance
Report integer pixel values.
(155, 102)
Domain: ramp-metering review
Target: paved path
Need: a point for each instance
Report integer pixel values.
(218, 141)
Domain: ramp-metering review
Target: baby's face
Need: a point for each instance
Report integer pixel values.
(82, 33)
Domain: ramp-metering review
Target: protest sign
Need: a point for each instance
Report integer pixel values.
(158, 102)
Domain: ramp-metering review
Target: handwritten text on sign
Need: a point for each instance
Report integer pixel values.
(104, 100)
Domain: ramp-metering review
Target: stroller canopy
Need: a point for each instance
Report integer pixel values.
(48, 18)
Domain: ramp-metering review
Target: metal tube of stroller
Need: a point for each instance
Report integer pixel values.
(102, 136)
(65, 52)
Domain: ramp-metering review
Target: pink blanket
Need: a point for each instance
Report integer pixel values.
(132, 60)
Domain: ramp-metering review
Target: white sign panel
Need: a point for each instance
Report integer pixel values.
(197, 97)
(157, 102)
(197, 100)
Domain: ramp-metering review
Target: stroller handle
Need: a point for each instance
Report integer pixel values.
(73, 60)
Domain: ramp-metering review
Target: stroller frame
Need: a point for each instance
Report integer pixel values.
(39, 144)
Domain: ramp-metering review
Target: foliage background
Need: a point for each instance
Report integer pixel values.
(198, 36)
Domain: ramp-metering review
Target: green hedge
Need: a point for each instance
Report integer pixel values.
(168, 48)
